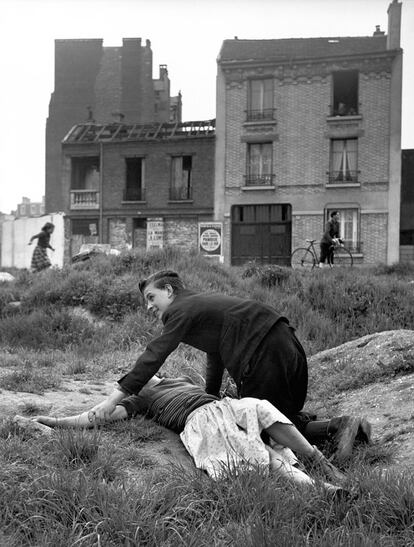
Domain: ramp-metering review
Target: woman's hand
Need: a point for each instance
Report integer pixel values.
(103, 410)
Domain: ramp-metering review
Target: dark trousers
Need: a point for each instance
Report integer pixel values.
(326, 249)
(278, 372)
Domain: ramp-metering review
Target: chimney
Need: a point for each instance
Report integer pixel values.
(378, 31)
(394, 25)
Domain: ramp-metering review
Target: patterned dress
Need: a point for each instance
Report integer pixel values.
(225, 435)
(40, 260)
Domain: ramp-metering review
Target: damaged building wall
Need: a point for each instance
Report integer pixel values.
(99, 84)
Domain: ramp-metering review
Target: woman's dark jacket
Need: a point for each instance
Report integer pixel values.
(227, 328)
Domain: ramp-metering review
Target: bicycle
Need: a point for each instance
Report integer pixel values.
(307, 258)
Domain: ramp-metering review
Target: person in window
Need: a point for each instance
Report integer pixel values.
(250, 339)
(40, 260)
(218, 434)
(330, 238)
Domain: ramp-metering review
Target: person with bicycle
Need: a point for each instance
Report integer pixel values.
(330, 239)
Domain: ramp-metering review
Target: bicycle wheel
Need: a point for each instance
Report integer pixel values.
(342, 257)
(302, 259)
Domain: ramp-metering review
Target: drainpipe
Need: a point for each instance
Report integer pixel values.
(100, 191)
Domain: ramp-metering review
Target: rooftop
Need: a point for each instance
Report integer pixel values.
(118, 132)
(290, 49)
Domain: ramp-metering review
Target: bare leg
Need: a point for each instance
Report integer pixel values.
(84, 420)
(288, 435)
(285, 469)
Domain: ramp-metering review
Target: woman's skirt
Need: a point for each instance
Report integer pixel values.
(225, 435)
(40, 260)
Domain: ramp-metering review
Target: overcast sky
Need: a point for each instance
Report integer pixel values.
(186, 35)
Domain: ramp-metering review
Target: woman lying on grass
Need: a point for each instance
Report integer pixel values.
(218, 434)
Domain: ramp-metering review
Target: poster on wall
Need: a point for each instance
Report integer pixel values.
(210, 238)
(155, 233)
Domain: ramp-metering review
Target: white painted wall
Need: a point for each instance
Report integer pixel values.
(16, 234)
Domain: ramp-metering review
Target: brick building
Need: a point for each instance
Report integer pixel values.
(28, 208)
(99, 85)
(304, 127)
(137, 185)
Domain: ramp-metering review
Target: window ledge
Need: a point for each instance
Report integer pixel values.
(180, 201)
(250, 188)
(259, 122)
(345, 118)
(133, 202)
(342, 185)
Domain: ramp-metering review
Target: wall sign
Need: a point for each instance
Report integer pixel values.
(155, 233)
(210, 238)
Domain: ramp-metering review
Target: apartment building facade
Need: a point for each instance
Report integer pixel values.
(304, 127)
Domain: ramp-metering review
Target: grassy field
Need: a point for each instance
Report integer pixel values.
(76, 489)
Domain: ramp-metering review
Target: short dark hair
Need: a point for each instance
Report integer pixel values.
(47, 226)
(333, 213)
(161, 279)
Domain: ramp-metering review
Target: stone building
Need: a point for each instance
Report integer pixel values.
(306, 126)
(102, 84)
(28, 208)
(137, 185)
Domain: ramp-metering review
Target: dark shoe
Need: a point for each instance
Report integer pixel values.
(319, 461)
(344, 437)
(340, 495)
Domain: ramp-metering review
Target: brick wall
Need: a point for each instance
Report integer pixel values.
(373, 145)
(119, 235)
(157, 158)
(306, 227)
(181, 233)
(374, 237)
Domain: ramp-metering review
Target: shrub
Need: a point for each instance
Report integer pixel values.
(44, 328)
(29, 380)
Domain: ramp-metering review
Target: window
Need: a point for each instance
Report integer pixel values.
(348, 226)
(343, 161)
(134, 188)
(345, 93)
(85, 173)
(260, 100)
(22, 209)
(181, 183)
(85, 226)
(259, 164)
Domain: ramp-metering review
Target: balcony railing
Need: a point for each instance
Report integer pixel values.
(259, 180)
(84, 199)
(182, 193)
(134, 194)
(343, 177)
(264, 114)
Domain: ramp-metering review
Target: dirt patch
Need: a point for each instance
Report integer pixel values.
(388, 403)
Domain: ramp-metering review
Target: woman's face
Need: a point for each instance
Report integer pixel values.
(157, 299)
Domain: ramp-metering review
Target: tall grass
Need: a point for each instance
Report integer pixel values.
(100, 488)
